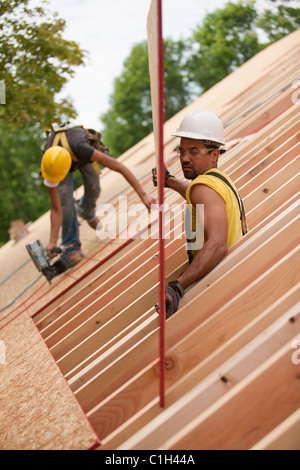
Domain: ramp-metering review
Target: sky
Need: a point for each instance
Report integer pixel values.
(108, 29)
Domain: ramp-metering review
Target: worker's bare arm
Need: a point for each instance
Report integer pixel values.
(117, 166)
(215, 233)
(56, 217)
(180, 186)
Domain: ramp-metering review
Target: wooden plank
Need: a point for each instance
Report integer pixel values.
(139, 357)
(91, 345)
(72, 296)
(286, 151)
(290, 157)
(286, 436)
(83, 342)
(135, 405)
(117, 326)
(249, 410)
(271, 184)
(267, 150)
(104, 288)
(272, 202)
(237, 419)
(243, 151)
(268, 82)
(263, 114)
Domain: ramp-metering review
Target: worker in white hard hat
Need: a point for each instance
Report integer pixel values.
(216, 216)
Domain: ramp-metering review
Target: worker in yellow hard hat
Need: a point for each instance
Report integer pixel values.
(70, 148)
(56, 164)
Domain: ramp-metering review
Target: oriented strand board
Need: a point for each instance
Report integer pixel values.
(38, 411)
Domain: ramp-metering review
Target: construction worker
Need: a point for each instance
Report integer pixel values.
(216, 218)
(67, 149)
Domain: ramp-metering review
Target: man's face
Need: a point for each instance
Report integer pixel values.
(196, 158)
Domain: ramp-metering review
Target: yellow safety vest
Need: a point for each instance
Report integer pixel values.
(237, 226)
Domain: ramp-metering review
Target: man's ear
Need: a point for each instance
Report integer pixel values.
(215, 155)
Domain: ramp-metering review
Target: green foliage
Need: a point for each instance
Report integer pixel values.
(35, 63)
(279, 21)
(129, 118)
(22, 193)
(225, 40)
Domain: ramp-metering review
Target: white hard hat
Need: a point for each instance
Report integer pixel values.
(202, 125)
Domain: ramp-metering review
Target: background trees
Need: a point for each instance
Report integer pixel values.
(35, 63)
(224, 40)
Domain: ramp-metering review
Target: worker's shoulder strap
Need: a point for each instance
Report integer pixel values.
(61, 137)
(238, 197)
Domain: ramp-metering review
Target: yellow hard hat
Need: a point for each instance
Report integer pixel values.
(56, 163)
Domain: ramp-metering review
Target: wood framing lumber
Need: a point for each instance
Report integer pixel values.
(259, 141)
(217, 386)
(71, 304)
(280, 195)
(238, 252)
(219, 363)
(231, 330)
(106, 312)
(247, 413)
(286, 436)
(91, 345)
(48, 314)
(104, 288)
(271, 164)
(271, 184)
(253, 161)
(118, 324)
(260, 118)
(113, 378)
(154, 70)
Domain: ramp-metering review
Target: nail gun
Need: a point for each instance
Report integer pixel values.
(41, 260)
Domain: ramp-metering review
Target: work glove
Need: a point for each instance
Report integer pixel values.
(174, 292)
(167, 176)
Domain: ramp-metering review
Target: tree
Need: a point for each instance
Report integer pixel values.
(22, 192)
(225, 40)
(230, 36)
(279, 21)
(35, 63)
(129, 118)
